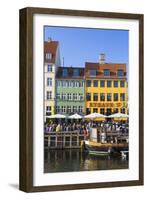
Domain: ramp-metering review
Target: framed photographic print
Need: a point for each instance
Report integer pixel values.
(81, 99)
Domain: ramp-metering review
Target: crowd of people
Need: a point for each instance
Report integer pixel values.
(83, 127)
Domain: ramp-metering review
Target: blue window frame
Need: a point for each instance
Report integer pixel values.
(120, 72)
(106, 72)
(65, 72)
(92, 72)
(76, 72)
(102, 83)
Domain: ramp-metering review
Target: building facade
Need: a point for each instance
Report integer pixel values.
(106, 87)
(51, 63)
(70, 90)
(98, 87)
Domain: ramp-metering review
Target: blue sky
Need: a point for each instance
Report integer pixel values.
(80, 45)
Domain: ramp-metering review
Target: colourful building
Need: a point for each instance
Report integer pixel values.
(51, 63)
(98, 87)
(70, 92)
(106, 87)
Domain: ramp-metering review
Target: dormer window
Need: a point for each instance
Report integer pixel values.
(106, 72)
(48, 56)
(65, 72)
(76, 72)
(92, 72)
(120, 72)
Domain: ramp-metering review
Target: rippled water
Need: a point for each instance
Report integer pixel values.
(75, 160)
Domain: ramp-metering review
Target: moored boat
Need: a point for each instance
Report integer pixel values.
(99, 144)
(104, 148)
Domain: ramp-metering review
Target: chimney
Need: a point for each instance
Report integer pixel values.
(102, 58)
(49, 39)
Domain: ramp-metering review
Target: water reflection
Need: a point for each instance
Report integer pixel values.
(75, 160)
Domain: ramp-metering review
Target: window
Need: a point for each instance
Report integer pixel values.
(63, 83)
(65, 72)
(76, 72)
(88, 83)
(115, 97)
(58, 83)
(92, 72)
(49, 82)
(109, 97)
(115, 83)
(95, 97)
(102, 111)
(69, 109)
(49, 68)
(48, 108)
(102, 97)
(63, 109)
(88, 111)
(74, 109)
(81, 83)
(58, 96)
(48, 113)
(120, 72)
(63, 96)
(69, 96)
(49, 94)
(95, 83)
(80, 109)
(106, 72)
(57, 109)
(115, 110)
(48, 56)
(75, 96)
(95, 110)
(88, 97)
(73, 83)
(122, 83)
(102, 83)
(70, 83)
(109, 111)
(76, 83)
(122, 96)
(109, 84)
(122, 110)
(81, 97)
(67, 83)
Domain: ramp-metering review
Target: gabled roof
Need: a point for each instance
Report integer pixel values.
(50, 47)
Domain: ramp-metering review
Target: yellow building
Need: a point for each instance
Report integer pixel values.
(106, 88)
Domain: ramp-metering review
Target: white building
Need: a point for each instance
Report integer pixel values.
(51, 63)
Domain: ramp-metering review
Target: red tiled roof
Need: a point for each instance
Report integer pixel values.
(50, 47)
(113, 67)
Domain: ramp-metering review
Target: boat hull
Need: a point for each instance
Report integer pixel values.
(104, 149)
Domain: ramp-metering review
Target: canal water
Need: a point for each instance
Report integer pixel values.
(69, 160)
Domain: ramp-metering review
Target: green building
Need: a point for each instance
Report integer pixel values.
(70, 90)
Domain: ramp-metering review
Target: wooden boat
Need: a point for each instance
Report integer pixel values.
(104, 148)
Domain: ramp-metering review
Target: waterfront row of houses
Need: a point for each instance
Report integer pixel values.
(96, 87)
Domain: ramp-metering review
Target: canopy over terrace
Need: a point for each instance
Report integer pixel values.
(56, 116)
(94, 116)
(119, 116)
(75, 116)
